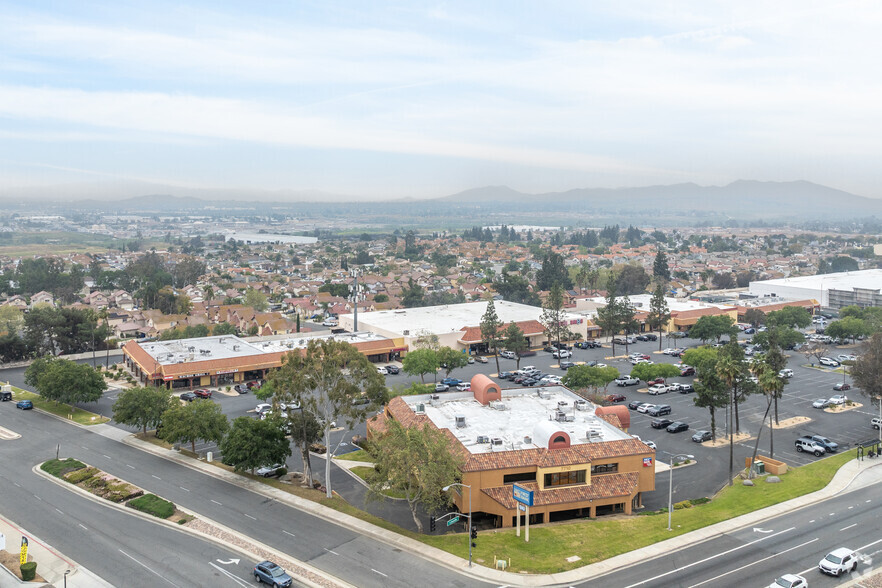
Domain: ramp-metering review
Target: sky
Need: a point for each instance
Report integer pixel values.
(424, 99)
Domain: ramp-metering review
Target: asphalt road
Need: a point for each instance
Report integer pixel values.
(337, 550)
(793, 543)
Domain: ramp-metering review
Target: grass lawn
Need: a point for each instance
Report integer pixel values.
(360, 455)
(83, 417)
(59, 467)
(603, 538)
(364, 471)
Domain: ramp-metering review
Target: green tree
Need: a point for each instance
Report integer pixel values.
(583, 377)
(253, 443)
(223, 329)
(328, 380)
(305, 430)
(609, 316)
(413, 295)
(711, 393)
(380, 298)
(651, 371)
(256, 300)
(65, 381)
(515, 341)
(553, 271)
(754, 317)
(553, 317)
(659, 314)
(200, 419)
(417, 462)
(142, 407)
(490, 326)
(632, 279)
(781, 336)
(710, 327)
(451, 359)
(420, 362)
(10, 318)
(790, 316)
(848, 328)
(660, 270)
(867, 370)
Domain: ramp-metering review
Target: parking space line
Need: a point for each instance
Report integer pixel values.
(216, 502)
(287, 533)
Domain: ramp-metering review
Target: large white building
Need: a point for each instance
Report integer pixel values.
(863, 288)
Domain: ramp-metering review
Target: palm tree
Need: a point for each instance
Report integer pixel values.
(729, 370)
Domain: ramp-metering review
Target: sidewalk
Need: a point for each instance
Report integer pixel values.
(50, 564)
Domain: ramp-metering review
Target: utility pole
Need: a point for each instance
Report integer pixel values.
(355, 297)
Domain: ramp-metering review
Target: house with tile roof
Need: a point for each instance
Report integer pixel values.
(577, 459)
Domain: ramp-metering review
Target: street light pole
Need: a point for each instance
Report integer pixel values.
(671, 484)
(445, 489)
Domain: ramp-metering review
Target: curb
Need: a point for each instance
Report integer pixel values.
(197, 533)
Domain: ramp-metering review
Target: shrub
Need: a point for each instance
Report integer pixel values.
(78, 476)
(697, 501)
(28, 571)
(682, 505)
(152, 504)
(317, 448)
(281, 471)
(59, 467)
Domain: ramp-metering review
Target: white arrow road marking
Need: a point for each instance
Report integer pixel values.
(758, 530)
(226, 563)
(238, 581)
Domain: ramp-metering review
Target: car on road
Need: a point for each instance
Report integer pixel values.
(789, 581)
(188, 397)
(441, 387)
(481, 359)
(644, 408)
(565, 365)
(807, 445)
(471, 360)
(561, 354)
(393, 369)
(659, 410)
(842, 386)
(875, 422)
(202, 393)
(686, 388)
(616, 397)
(635, 404)
(828, 361)
(785, 373)
(839, 561)
(268, 471)
(821, 403)
(838, 399)
(272, 574)
(677, 427)
(507, 354)
(627, 380)
(702, 436)
(383, 371)
(464, 386)
(829, 446)
(656, 389)
(687, 371)
(24, 404)
(660, 423)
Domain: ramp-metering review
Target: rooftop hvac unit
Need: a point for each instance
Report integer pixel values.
(222, 339)
(593, 433)
(496, 405)
(560, 416)
(543, 393)
(569, 418)
(460, 421)
(562, 403)
(528, 440)
(496, 441)
(580, 405)
(191, 348)
(435, 397)
(420, 408)
(405, 332)
(483, 439)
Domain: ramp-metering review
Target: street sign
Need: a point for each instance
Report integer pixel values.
(522, 495)
(452, 520)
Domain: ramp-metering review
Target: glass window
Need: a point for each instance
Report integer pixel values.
(522, 477)
(565, 478)
(605, 468)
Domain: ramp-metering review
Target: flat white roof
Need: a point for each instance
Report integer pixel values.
(515, 417)
(448, 318)
(871, 278)
(641, 302)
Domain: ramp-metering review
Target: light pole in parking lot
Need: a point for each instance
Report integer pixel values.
(671, 482)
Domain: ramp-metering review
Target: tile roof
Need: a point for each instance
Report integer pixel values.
(602, 486)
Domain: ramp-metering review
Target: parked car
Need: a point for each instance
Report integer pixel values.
(785, 373)
(267, 471)
(829, 446)
(241, 389)
(656, 389)
(507, 354)
(393, 369)
(202, 393)
(847, 357)
(677, 427)
(561, 354)
(678, 334)
(821, 403)
(838, 399)
(839, 561)
(669, 350)
(828, 361)
(480, 358)
(464, 386)
(687, 371)
(645, 407)
(5, 396)
(626, 380)
(635, 404)
(702, 436)
(686, 388)
(875, 422)
(655, 381)
(506, 375)
(842, 386)
(616, 397)
(674, 387)
(805, 444)
(272, 574)
(659, 410)
(330, 323)
(440, 387)
(661, 423)
(188, 397)
(565, 365)
(262, 408)
(451, 381)
(24, 404)
(383, 371)
(647, 337)
(789, 581)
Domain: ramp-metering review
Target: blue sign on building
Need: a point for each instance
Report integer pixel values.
(522, 495)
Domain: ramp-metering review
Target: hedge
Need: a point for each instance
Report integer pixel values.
(59, 467)
(152, 504)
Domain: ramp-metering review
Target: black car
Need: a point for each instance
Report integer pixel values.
(677, 427)
(686, 388)
(702, 436)
(549, 349)
(188, 397)
(647, 337)
(661, 423)
(635, 403)
(393, 369)
(659, 410)
(529, 382)
(565, 365)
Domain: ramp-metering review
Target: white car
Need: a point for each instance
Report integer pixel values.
(267, 471)
(789, 581)
(669, 350)
(382, 370)
(838, 399)
(464, 386)
(847, 357)
(262, 408)
(330, 323)
(658, 389)
(562, 354)
(828, 361)
(627, 381)
(839, 561)
(785, 373)
(674, 387)
(507, 354)
(645, 407)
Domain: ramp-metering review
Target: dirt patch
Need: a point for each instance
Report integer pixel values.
(791, 422)
(843, 407)
(723, 441)
(10, 562)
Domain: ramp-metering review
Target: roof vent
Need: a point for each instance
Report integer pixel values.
(460, 421)
(528, 440)
(483, 439)
(420, 408)
(496, 405)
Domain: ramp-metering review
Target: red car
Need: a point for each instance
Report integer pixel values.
(616, 397)
(656, 381)
(687, 371)
(202, 393)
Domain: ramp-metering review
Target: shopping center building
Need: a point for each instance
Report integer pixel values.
(577, 458)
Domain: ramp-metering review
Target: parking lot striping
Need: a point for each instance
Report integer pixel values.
(83, 526)
(755, 562)
(37, 497)
(379, 572)
(155, 476)
(107, 456)
(147, 567)
(59, 512)
(182, 488)
(216, 502)
(249, 516)
(287, 533)
(228, 574)
(17, 485)
(130, 466)
(709, 558)
(848, 527)
(330, 551)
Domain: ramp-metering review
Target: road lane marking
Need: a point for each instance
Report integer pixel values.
(216, 502)
(17, 485)
(848, 527)
(701, 561)
(330, 551)
(155, 476)
(148, 568)
(379, 572)
(249, 516)
(228, 574)
(83, 526)
(182, 488)
(130, 466)
(287, 533)
(59, 512)
(107, 456)
(755, 562)
(37, 497)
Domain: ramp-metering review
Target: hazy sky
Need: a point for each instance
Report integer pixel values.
(425, 99)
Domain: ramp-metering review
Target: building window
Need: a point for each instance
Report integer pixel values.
(522, 477)
(604, 468)
(565, 478)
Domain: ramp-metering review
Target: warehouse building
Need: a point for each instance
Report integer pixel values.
(834, 291)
